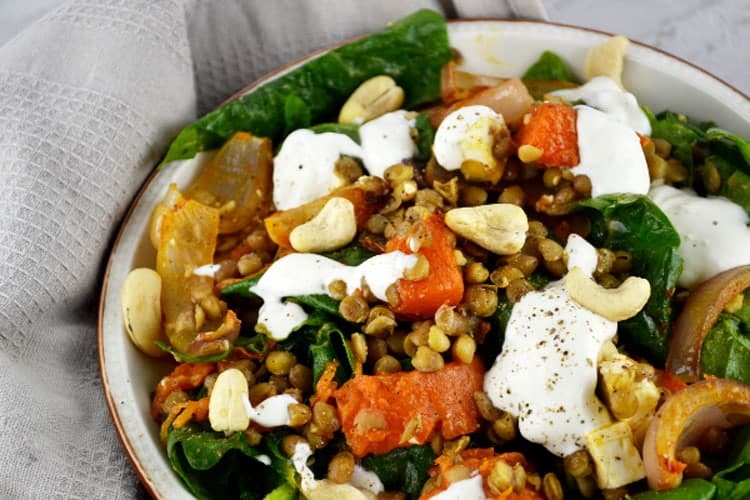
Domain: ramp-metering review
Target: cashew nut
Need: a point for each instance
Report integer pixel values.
(500, 227)
(374, 97)
(334, 227)
(141, 309)
(607, 59)
(615, 304)
(227, 410)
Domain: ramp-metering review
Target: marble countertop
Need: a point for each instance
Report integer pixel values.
(713, 34)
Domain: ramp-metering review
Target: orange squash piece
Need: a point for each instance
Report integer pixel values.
(552, 128)
(444, 284)
(380, 413)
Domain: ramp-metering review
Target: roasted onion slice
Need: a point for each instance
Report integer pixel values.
(702, 308)
(683, 418)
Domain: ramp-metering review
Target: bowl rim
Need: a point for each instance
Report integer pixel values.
(267, 77)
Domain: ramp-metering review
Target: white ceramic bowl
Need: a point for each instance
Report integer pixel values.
(496, 47)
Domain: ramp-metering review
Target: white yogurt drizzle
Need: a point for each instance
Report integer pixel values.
(271, 412)
(470, 488)
(610, 154)
(713, 232)
(306, 274)
(602, 93)
(610, 151)
(304, 167)
(454, 131)
(386, 140)
(546, 374)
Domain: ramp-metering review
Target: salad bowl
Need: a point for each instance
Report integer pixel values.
(494, 47)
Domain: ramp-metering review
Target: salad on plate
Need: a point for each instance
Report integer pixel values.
(395, 279)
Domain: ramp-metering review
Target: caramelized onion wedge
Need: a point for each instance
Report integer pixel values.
(456, 85)
(684, 417)
(510, 99)
(237, 181)
(702, 307)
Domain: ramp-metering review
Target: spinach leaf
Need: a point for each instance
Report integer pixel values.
(735, 184)
(726, 348)
(690, 489)
(329, 344)
(549, 66)
(241, 288)
(257, 344)
(296, 114)
(425, 138)
(412, 51)
(733, 483)
(348, 129)
(635, 224)
(319, 302)
(677, 130)
(403, 469)
(319, 340)
(493, 341)
(216, 466)
(727, 153)
(743, 145)
(353, 255)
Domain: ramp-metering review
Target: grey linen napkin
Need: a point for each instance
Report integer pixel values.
(90, 96)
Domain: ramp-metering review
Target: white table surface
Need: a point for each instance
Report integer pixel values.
(713, 34)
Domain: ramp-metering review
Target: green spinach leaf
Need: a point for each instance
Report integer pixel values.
(348, 129)
(412, 51)
(185, 358)
(403, 469)
(726, 349)
(635, 224)
(690, 489)
(743, 145)
(425, 138)
(733, 483)
(353, 255)
(328, 345)
(320, 340)
(726, 153)
(216, 466)
(549, 66)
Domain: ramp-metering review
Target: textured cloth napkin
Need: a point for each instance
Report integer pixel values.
(90, 96)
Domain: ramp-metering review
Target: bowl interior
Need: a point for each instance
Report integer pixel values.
(494, 47)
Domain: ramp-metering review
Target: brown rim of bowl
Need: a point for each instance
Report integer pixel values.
(142, 476)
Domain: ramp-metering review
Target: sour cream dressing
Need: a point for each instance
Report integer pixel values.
(306, 274)
(303, 170)
(271, 412)
(458, 137)
(386, 140)
(602, 93)
(463, 489)
(610, 153)
(546, 374)
(713, 232)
